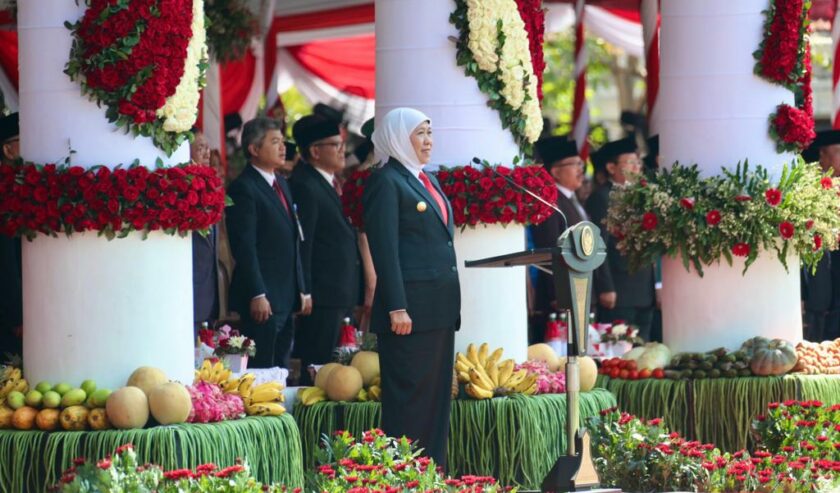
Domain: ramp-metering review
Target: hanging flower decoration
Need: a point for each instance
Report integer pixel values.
(533, 15)
(784, 58)
(738, 213)
(477, 195)
(230, 28)
(494, 47)
(50, 199)
(144, 60)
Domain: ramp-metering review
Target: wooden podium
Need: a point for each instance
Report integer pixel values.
(579, 251)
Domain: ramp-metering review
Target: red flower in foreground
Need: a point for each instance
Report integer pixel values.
(230, 470)
(713, 217)
(786, 229)
(649, 221)
(741, 249)
(817, 242)
(177, 474)
(773, 196)
(688, 203)
(826, 182)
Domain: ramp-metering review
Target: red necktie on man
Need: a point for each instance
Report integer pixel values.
(435, 195)
(336, 186)
(282, 196)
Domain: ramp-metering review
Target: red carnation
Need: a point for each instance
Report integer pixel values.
(649, 221)
(688, 203)
(713, 217)
(741, 249)
(786, 229)
(817, 242)
(773, 196)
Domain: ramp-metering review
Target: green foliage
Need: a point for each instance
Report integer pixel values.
(296, 105)
(230, 27)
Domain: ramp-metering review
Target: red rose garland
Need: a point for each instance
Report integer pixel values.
(476, 195)
(130, 57)
(533, 16)
(49, 199)
(784, 58)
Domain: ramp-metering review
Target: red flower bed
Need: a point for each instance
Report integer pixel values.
(533, 15)
(477, 195)
(50, 199)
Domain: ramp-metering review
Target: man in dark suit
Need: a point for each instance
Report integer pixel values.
(11, 294)
(205, 251)
(417, 302)
(622, 295)
(559, 156)
(821, 288)
(329, 251)
(267, 282)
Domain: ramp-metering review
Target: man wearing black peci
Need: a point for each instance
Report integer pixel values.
(267, 282)
(559, 156)
(329, 251)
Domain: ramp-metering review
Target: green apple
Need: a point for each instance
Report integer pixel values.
(74, 397)
(52, 399)
(15, 399)
(89, 386)
(43, 387)
(33, 398)
(62, 388)
(99, 397)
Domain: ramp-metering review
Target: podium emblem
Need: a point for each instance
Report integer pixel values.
(587, 241)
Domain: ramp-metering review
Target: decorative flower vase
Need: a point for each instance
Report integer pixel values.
(237, 363)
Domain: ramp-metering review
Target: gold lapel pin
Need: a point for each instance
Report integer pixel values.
(421, 206)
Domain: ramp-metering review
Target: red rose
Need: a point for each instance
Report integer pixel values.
(713, 217)
(649, 221)
(826, 182)
(743, 198)
(817, 242)
(809, 224)
(773, 196)
(786, 229)
(741, 249)
(688, 203)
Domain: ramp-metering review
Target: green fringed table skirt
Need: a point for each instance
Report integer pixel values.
(31, 461)
(515, 439)
(719, 410)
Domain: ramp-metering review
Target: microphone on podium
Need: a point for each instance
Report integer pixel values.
(520, 187)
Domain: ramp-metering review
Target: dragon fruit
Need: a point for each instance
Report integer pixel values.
(210, 404)
(548, 382)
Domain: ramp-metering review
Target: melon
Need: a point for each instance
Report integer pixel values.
(127, 408)
(544, 352)
(588, 373)
(344, 384)
(324, 373)
(170, 403)
(367, 362)
(147, 378)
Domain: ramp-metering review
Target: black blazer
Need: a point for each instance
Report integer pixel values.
(265, 244)
(633, 289)
(329, 250)
(821, 290)
(11, 294)
(205, 275)
(545, 235)
(413, 251)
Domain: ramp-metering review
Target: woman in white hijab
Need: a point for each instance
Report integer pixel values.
(417, 303)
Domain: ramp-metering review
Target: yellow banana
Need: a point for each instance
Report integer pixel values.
(505, 371)
(463, 376)
(477, 379)
(461, 363)
(267, 392)
(22, 386)
(493, 375)
(376, 381)
(482, 353)
(231, 386)
(495, 356)
(265, 409)
(515, 379)
(526, 383)
(311, 395)
(374, 392)
(245, 382)
(472, 355)
(362, 396)
(478, 392)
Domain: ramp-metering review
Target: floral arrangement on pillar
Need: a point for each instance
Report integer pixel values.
(676, 212)
(477, 195)
(145, 64)
(500, 45)
(784, 58)
(230, 28)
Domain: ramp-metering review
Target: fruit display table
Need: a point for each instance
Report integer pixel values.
(515, 439)
(717, 410)
(34, 460)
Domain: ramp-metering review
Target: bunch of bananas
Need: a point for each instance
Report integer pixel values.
(486, 378)
(308, 396)
(213, 373)
(11, 379)
(263, 400)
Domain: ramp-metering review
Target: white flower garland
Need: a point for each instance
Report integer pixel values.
(515, 62)
(181, 109)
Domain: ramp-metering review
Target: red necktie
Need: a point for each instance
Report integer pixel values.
(337, 186)
(435, 195)
(277, 189)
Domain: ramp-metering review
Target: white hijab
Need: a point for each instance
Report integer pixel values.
(392, 137)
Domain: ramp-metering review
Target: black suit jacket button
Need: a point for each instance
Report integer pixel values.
(449, 243)
(454, 269)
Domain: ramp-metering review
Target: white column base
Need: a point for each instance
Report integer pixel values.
(100, 309)
(724, 308)
(493, 301)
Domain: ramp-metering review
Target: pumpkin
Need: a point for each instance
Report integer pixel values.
(776, 358)
(751, 345)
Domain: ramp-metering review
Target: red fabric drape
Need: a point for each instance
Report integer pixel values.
(347, 64)
(236, 82)
(9, 55)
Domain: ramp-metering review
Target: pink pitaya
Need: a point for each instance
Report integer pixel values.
(210, 404)
(548, 382)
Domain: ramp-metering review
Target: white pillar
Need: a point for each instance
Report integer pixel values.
(714, 111)
(93, 308)
(416, 67)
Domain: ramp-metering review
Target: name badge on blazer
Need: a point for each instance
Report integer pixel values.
(421, 206)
